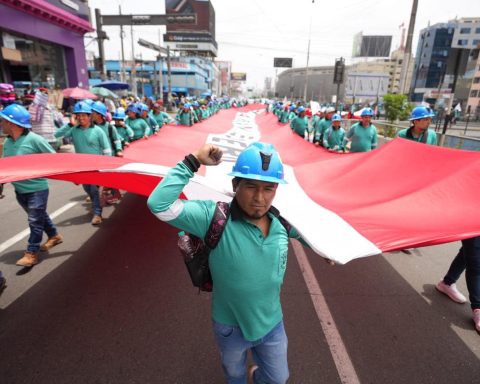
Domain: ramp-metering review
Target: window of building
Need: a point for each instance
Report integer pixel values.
(462, 42)
(476, 80)
(476, 42)
(477, 30)
(465, 30)
(474, 93)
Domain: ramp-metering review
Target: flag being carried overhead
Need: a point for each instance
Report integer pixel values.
(346, 206)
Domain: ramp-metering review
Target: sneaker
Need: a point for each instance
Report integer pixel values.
(452, 292)
(51, 242)
(97, 219)
(476, 319)
(29, 259)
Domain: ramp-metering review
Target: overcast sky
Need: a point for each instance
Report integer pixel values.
(250, 33)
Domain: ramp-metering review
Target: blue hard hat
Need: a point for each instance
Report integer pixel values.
(259, 161)
(367, 112)
(119, 114)
(143, 107)
(195, 104)
(88, 101)
(100, 108)
(336, 117)
(133, 108)
(421, 113)
(293, 107)
(16, 114)
(300, 109)
(187, 105)
(82, 107)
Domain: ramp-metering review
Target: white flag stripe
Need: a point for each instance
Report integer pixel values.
(334, 239)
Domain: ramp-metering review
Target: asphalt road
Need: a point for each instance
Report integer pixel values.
(114, 305)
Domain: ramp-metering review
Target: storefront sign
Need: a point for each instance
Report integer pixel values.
(11, 54)
(71, 4)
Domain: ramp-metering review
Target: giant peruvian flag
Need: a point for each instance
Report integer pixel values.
(346, 206)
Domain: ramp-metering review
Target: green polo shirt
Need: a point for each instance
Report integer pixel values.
(160, 118)
(247, 268)
(363, 139)
(139, 127)
(125, 133)
(91, 140)
(430, 139)
(114, 139)
(185, 118)
(334, 138)
(299, 125)
(321, 128)
(27, 144)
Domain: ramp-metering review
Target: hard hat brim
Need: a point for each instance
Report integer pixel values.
(8, 118)
(252, 176)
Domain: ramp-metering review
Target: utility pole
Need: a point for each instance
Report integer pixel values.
(101, 35)
(122, 76)
(408, 48)
(169, 77)
(160, 69)
(133, 70)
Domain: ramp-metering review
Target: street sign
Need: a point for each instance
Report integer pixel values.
(148, 19)
(282, 62)
(238, 76)
(148, 44)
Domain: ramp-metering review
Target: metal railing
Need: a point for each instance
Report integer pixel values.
(389, 131)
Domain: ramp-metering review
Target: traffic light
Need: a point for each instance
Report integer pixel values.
(339, 71)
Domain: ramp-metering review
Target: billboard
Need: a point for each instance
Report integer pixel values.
(282, 62)
(371, 46)
(196, 37)
(202, 8)
(77, 7)
(238, 76)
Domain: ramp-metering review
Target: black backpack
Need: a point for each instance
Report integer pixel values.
(196, 251)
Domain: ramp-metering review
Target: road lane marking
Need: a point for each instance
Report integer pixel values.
(344, 365)
(15, 239)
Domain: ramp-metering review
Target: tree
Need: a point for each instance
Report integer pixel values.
(396, 107)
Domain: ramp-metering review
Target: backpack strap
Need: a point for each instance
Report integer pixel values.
(110, 136)
(217, 225)
(424, 137)
(274, 211)
(285, 224)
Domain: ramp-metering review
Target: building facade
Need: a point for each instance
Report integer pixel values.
(446, 62)
(291, 84)
(473, 101)
(190, 76)
(42, 42)
(370, 80)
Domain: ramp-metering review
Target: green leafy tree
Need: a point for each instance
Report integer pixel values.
(396, 107)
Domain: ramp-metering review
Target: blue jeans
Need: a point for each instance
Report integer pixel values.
(35, 205)
(92, 191)
(269, 353)
(468, 260)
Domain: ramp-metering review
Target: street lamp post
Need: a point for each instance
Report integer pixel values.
(308, 55)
